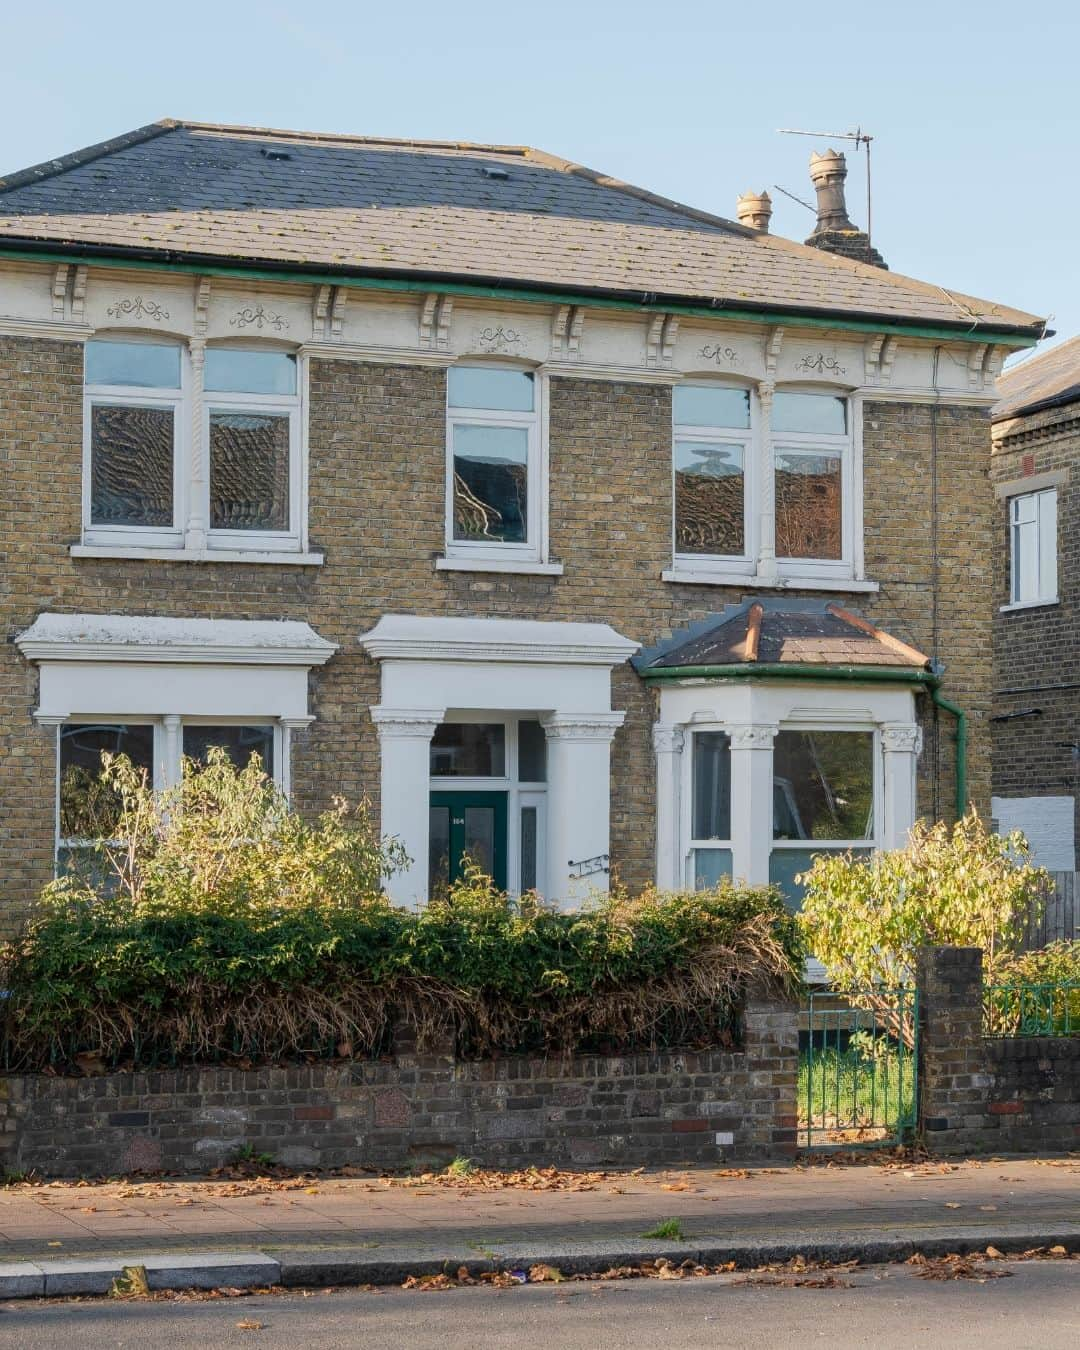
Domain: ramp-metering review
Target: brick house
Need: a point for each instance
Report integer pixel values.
(1036, 720)
(383, 459)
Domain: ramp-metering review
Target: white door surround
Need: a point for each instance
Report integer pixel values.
(561, 671)
(751, 712)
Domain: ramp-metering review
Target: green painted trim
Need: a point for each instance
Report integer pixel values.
(961, 747)
(787, 671)
(314, 277)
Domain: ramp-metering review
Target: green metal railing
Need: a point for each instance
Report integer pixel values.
(1051, 1009)
(857, 1068)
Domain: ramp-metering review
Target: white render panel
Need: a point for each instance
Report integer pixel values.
(1048, 824)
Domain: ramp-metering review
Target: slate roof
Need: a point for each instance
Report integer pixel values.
(781, 632)
(498, 215)
(1048, 380)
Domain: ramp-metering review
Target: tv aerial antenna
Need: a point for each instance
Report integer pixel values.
(859, 137)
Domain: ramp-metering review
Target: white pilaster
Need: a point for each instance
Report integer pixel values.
(766, 560)
(167, 771)
(751, 801)
(668, 742)
(197, 522)
(901, 743)
(579, 802)
(404, 749)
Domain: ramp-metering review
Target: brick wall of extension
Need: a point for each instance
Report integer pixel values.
(377, 463)
(670, 1108)
(981, 1093)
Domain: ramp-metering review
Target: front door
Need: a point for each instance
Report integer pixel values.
(466, 825)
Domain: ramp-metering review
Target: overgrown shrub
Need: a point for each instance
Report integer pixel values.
(1036, 993)
(959, 885)
(218, 925)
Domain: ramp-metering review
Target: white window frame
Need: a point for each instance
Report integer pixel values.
(1046, 569)
(822, 444)
(272, 405)
(693, 844)
(872, 845)
(534, 549)
(167, 754)
(140, 396)
(748, 439)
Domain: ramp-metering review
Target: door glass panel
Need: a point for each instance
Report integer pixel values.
(438, 850)
(491, 475)
(712, 785)
(469, 750)
(532, 753)
(823, 785)
(808, 505)
(239, 743)
(528, 848)
(131, 458)
(709, 496)
(480, 837)
(249, 471)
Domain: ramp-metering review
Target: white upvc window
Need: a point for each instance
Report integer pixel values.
(708, 817)
(813, 483)
(715, 477)
(495, 476)
(1033, 548)
(189, 457)
(134, 466)
(87, 812)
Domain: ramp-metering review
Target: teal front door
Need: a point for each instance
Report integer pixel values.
(464, 826)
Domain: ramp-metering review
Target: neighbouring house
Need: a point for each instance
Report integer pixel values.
(1036, 719)
(584, 532)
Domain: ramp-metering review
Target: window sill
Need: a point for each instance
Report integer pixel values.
(687, 577)
(1029, 604)
(211, 555)
(520, 567)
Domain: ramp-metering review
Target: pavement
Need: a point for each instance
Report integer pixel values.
(250, 1231)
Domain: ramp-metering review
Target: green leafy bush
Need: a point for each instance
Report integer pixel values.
(1036, 993)
(219, 925)
(959, 885)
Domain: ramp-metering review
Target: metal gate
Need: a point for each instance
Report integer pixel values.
(857, 1068)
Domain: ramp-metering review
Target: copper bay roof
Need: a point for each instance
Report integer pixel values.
(505, 216)
(781, 632)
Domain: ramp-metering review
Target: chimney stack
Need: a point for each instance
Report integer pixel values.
(754, 209)
(834, 232)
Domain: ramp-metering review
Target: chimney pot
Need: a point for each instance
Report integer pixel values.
(828, 172)
(754, 209)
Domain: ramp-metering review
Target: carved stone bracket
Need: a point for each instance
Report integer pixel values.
(337, 312)
(320, 305)
(773, 340)
(435, 315)
(976, 356)
(660, 337)
(78, 294)
(202, 305)
(566, 327)
(992, 363)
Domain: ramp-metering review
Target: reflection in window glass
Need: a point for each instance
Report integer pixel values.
(480, 837)
(238, 742)
(469, 750)
(491, 472)
(528, 849)
(808, 504)
(231, 369)
(532, 752)
(438, 851)
(697, 405)
(88, 809)
(812, 414)
(249, 471)
(711, 866)
(490, 388)
(823, 785)
(131, 465)
(785, 864)
(709, 498)
(712, 785)
(142, 365)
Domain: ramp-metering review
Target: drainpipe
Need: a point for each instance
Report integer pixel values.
(858, 674)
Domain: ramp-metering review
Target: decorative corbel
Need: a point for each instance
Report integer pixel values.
(78, 294)
(573, 340)
(560, 324)
(872, 358)
(320, 303)
(59, 291)
(442, 322)
(202, 305)
(337, 312)
(653, 335)
(976, 356)
(427, 317)
(992, 363)
(667, 342)
(773, 340)
(888, 356)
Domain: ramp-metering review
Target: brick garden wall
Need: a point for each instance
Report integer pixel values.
(668, 1108)
(377, 447)
(981, 1093)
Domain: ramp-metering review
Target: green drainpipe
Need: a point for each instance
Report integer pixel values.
(862, 674)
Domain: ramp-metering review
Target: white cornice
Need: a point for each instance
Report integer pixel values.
(398, 356)
(405, 637)
(584, 370)
(875, 393)
(45, 328)
(170, 641)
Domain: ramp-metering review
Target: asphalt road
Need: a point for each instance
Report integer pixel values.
(1039, 1305)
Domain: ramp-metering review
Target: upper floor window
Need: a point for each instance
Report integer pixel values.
(811, 449)
(146, 483)
(494, 480)
(1033, 547)
(721, 470)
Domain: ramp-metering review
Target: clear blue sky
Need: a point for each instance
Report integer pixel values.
(973, 105)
